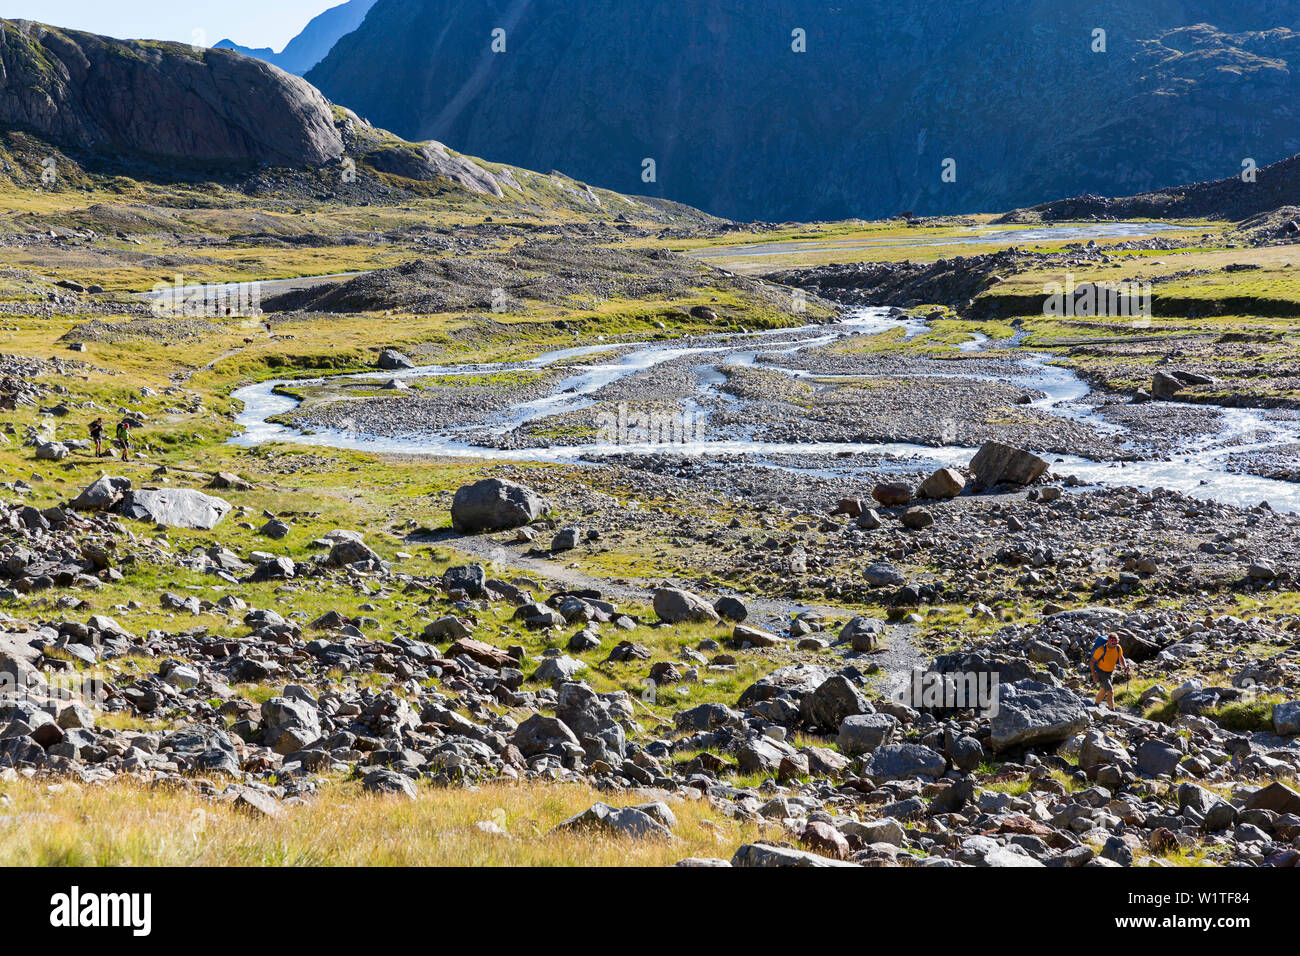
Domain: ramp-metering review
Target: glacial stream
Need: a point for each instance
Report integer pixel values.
(1197, 468)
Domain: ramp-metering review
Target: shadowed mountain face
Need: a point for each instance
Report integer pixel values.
(740, 124)
(1249, 193)
(162, 100)
(310, 46)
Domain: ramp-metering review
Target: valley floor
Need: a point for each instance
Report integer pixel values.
(334, 674)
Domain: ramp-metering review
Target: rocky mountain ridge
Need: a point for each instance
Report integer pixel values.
(167, 101)
(159, 110)
(315, 41)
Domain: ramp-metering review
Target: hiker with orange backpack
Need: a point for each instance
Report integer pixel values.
(1107, 656)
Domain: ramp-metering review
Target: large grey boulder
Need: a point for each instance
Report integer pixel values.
(1164, 386)
(984, 851)
(290, 724)
(1277, 797)
(903, 762)
(20, 665)
(631, 822)
(389, 783)
(834, 699)
(705, 717)
(52, 451)
(446, 628)
(494, 504)
(566, 539)
(204, 748)
(560, 668)
(391, 360)
(589, 715)
(677, 606)
(1158, 757)
(349, 551)
(944, 483)
(101, 494)
(470, 578)
(1031, 714)
(885, 830)
(793, 681)
(175, 507)
(995, 463)
(1286, 718)
(1098, 750)
(761, 854)
(541, 734)
(761, 754)
(863, 733)
(861, 633)
(882, 575)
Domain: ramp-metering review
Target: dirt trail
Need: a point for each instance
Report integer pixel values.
(896, 660)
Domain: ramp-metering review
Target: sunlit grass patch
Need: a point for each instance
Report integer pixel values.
(125, 824)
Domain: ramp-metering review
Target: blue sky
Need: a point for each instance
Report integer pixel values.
(253, 23)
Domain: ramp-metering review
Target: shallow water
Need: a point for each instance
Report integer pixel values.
(1197, 469)
(988, 236)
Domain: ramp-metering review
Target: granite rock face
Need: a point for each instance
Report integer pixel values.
(160, 100)
(175, 507)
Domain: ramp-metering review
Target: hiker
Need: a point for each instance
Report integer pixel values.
(124, 438)
(97, 436)
(1106, 657)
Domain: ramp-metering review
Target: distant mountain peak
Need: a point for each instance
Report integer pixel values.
(314, 42)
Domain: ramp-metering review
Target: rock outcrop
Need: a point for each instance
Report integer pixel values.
(160, 100)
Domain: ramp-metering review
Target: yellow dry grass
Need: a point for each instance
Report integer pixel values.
(127, 824)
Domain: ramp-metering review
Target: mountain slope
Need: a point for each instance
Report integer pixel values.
(162, 100)
(860, 124)
(97, 108)
(1232, 198)
(315, 41)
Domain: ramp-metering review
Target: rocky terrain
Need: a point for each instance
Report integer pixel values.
(675, 636)
(1234, 197)
(851, 766)
(396, 571)
(537, 271)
